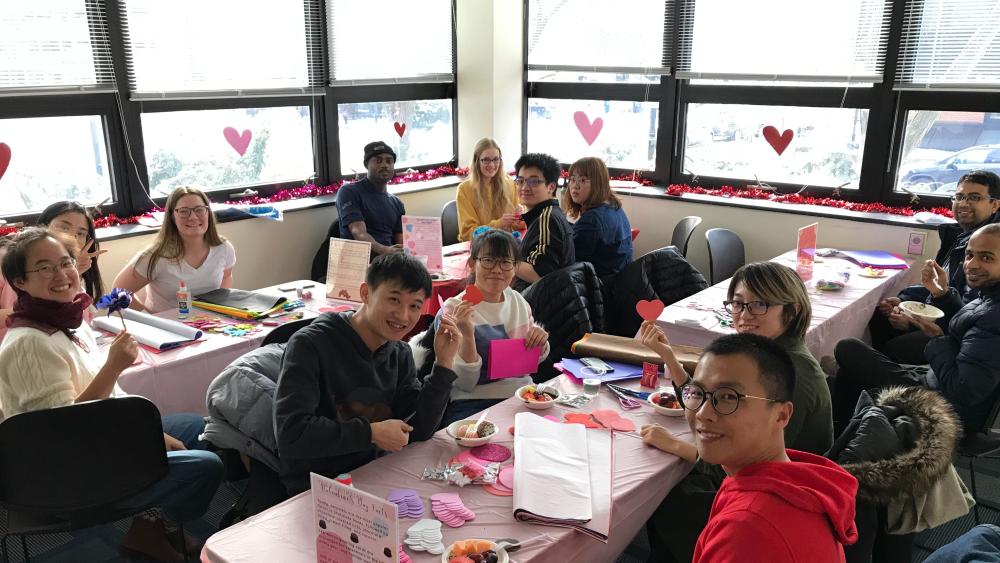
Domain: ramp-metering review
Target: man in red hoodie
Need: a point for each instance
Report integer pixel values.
(775, 505)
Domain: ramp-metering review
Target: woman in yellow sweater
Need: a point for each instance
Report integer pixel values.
(489, 196)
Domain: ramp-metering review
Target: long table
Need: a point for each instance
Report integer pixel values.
(642, 478)
(697, 320)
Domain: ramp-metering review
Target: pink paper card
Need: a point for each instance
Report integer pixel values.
(509, 358)
(422, 237)
(352, 525)
(805, 252)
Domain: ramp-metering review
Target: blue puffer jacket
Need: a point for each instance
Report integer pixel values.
(966, 361)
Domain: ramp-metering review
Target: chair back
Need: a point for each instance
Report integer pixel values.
(80, 459)
(682, 233)
(725, 254)
(318, 270)
(449, 223)
(661, 274)
(284, 332)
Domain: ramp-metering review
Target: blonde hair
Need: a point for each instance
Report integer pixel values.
(594, 170)
(168, 243)
(493, 199)
(779, 285)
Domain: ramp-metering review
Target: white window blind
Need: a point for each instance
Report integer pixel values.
(624, 36)
(950, 44)
(222, 48)
(55, 46)
(784, 40)
(391, 41)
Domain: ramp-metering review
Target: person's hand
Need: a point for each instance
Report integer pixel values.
(927, 326)
(462, 313)
(536, 337)
(446, 342)
(391, 435)
(508, 220)
(652, 337)
(394, 249)
(899, 320)
(173, 444)
(658, 437)
(934, 278)
(122, 352)
(86, 258)
(887, 305)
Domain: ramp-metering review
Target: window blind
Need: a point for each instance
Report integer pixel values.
(784, 40)
(56, 46)
(951, 44)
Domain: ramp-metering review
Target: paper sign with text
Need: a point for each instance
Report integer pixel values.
(345, 270)
(422, 237)
(352, 526)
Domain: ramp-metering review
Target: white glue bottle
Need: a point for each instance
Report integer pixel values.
(183, 301)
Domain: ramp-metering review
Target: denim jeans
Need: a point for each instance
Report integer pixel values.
(192, 478)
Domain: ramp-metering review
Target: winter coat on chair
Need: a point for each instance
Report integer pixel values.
(568, 303)
(661, 274)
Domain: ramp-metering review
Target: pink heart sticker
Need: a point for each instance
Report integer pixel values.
(588, 129)
(778, 142)
(400, 128)
(239, 141)
(649, 310)
(4, 158)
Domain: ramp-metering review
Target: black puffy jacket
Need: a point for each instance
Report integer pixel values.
(661, 274)
(568, 303)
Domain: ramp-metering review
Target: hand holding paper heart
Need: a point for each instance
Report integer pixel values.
(473, 295)
(649, 310)
(653, 337)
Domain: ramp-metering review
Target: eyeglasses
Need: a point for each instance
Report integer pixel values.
(725, 400)
(48, 271)
(755, 308)
(579, 180)
(489, 160)
(185, 212)
(489, 262)
(531, 182)
(971, 198)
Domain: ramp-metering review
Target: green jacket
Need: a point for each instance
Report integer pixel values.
(811, 426)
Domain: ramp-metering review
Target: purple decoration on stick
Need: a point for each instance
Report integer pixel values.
(115, 302)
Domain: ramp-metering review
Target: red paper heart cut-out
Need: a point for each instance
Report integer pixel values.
(649, 310)
(580, 418)
(473, 295)
(778, 142)
(623, 425)
(4, 158)
(605, 417)
(239, 141)
(587, 128)
(400, 128)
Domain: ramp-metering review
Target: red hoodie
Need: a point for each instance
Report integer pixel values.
(782, 512)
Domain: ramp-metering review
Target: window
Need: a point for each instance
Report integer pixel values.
(53, 159)
(420, 131)
(227, 148)
(392, 41)
(940, 146)
(623, 134)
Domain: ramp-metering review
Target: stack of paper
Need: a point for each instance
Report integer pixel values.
(153, 332)
(563, 475)
(875, 259)
(238, 303)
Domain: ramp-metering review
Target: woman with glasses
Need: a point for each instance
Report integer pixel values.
(188, 248)
(766, 299)
(488, 198)
(501, 314)
(602, 234)
(50, 358)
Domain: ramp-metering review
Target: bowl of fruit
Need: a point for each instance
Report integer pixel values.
(466, 434)
(475, 551)
(665, 402)
(537, 398)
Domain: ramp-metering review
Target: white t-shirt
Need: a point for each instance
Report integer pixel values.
(161, 293)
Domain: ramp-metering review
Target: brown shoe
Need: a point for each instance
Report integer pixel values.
(148, 538)
(187, 543)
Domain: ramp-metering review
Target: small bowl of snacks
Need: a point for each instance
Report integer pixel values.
(923, 310)
(475, 551)
(665, 402)
(535, 398)
(466, 434)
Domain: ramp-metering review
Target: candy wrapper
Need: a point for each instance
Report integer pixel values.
(465, 473)
(575, 401)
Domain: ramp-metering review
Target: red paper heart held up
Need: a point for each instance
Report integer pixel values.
(649, 310)
(473, 295)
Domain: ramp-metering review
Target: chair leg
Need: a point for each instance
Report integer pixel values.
(24, 548)
(180, 530)
(3, 549)
(975, 495)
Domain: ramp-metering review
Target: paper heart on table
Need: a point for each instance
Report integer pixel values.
(601, 418)
(649, 310)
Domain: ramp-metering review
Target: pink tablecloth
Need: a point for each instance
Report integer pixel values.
(835, 314)
(642, 477)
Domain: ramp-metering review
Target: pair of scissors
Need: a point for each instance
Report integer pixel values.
(627, 403)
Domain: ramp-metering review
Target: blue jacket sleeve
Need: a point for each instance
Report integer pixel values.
(969, 371)
(586, 236)
(349, 207)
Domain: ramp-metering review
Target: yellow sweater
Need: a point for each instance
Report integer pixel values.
(469, 216)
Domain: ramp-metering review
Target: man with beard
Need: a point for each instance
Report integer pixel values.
(367, 210)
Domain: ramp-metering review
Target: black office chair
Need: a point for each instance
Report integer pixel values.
(983, 445)
(283, 333)
(68, 468)
(682, 233)
(318, 271)
(449, 223)
(725, 254)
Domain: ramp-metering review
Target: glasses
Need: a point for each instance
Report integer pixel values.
(971, 198)
(48, 271)
(755, 308)
(531, 182)
(185, 212)
(489, 262)
(489, 160)
(725, 400)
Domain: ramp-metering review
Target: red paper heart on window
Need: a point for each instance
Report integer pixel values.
(779, 142)
(649, 310)
(400, 128)
(473, 295)
(4, 158)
